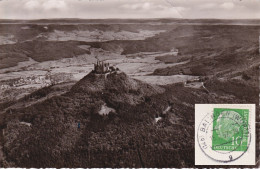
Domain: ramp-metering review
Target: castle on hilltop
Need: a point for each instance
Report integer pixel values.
(101, 68)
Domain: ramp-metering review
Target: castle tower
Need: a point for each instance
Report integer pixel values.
(100, 67)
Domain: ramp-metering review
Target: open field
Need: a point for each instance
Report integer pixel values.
(202, 50)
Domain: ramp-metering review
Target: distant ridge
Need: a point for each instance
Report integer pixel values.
(132, 20)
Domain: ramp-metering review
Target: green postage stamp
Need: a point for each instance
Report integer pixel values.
(230, 129)
(224, 134)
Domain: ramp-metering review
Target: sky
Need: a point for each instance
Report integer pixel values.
(102, 9)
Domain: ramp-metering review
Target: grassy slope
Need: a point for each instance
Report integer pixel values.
(43, 50)
(11, 59)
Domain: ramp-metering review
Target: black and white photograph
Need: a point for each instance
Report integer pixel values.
(114, 83)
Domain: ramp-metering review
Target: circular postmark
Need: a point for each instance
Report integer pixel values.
(223, 135)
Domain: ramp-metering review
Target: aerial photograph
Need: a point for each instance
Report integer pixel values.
(114, 83)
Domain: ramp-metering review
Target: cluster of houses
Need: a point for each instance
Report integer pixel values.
(32, 80)
(43, 80)
(5, 86)
(46, 80)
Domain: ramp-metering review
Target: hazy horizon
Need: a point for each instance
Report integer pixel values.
(126, 9)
